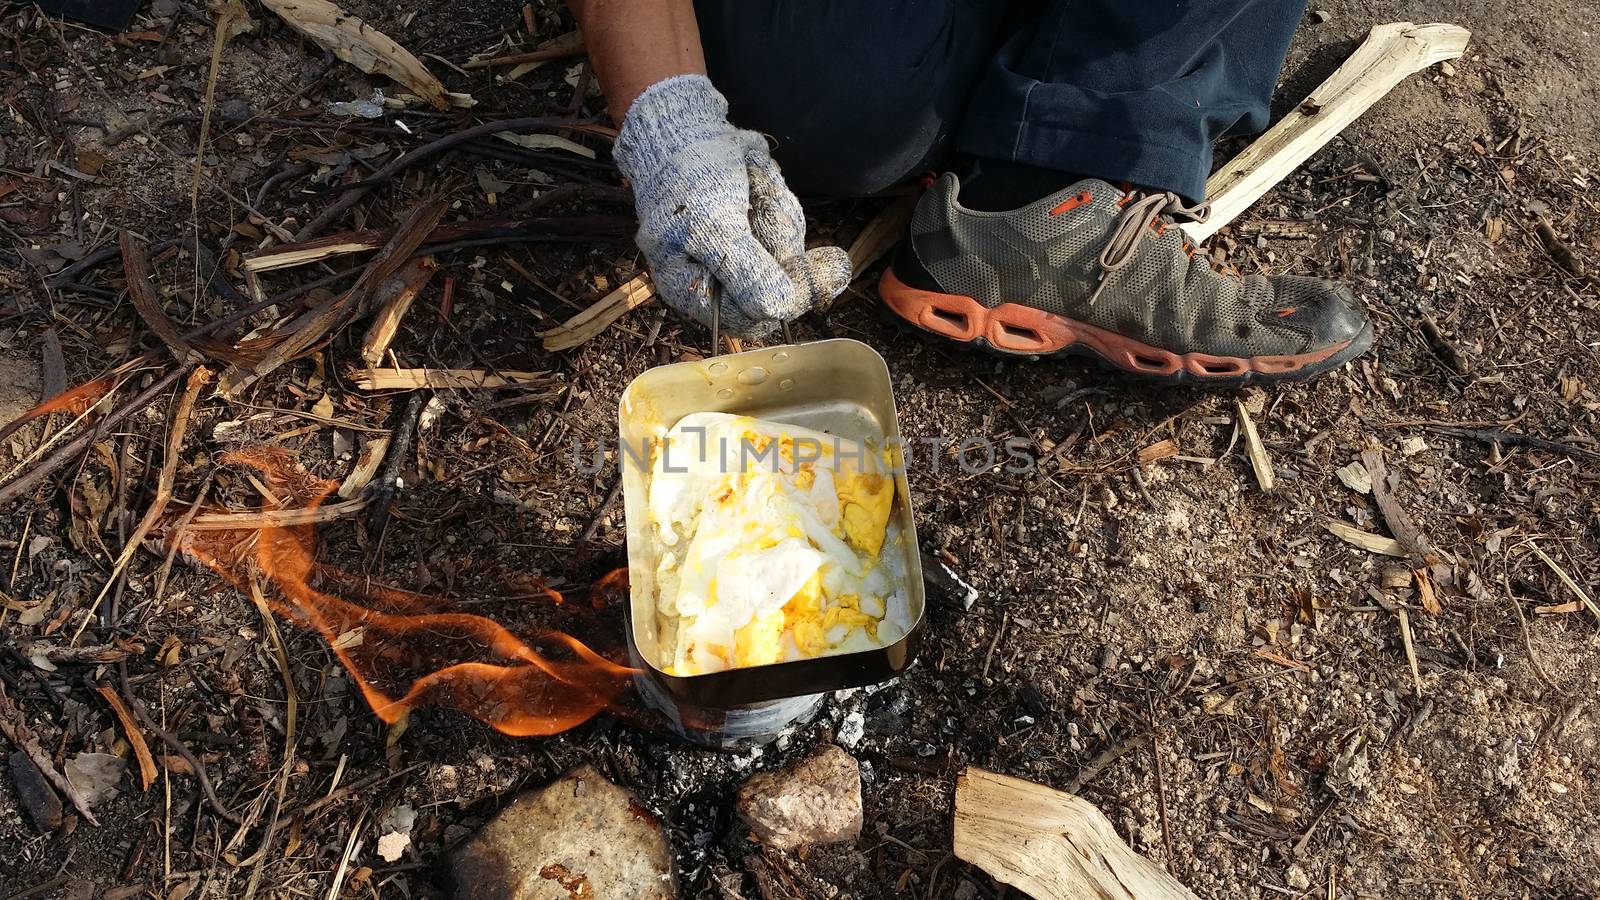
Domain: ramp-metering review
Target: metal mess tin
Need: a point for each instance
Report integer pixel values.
(836, 386)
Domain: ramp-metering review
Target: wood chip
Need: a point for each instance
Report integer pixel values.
(367, 466)
(446, 379)
(1259, 460)
(600, 315)
(363, 46)
(1355, 477)
(1165, 449)
(141, 750)
(1366, 540)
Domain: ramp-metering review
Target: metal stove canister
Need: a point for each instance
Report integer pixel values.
(837, 386)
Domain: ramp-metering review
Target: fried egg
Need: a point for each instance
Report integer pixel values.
(772, 545)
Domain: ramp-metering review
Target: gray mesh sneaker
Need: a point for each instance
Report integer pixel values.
(1095, 269)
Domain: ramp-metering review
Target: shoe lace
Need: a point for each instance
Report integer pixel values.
(1138, 216)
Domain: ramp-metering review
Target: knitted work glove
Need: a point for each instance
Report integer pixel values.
(713, 208)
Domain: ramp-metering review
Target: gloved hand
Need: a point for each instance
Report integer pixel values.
(713, 207)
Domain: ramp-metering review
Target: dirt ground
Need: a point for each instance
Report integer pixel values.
(1225, 678)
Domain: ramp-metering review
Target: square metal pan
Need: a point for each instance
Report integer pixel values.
(839, 386)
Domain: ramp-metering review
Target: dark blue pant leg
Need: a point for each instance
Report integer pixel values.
(856, 94)
(1131, 91)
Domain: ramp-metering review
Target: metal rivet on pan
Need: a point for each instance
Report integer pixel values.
(786, 385)
(753, 375)
(717, 368)
(780, 356)
(725, 393)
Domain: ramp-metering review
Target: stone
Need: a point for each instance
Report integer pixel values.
(814, 801)
(579, 837)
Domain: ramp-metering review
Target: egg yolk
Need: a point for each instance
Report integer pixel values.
(864, 501)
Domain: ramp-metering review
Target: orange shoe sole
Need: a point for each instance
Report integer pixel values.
(1017, 330)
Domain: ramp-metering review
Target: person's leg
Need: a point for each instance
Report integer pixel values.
(1134, 92)
(856, 96)
(1043, 253)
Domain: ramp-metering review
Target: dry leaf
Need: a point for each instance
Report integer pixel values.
(362, 46)
(323, 407)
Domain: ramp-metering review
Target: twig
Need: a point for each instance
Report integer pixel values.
(1527, 639)
(988, 658)
(1446, 351)
(600, 514)
(314, 327)
(1161, 786)
(384, 486)
(1420, 551)
(176, 433)
(563, 47)
(175, 536)
(1512, 439)
(195, 765)
(44, 468)
(355, 192)
(393, 308)
(446, 379)
(1410, 648)
(349, 851)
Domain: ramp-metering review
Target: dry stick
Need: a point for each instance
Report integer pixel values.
(1384, 59)
(45, 467)
(1419, 550)
(176, 535)
(1161, 787)
(178, 430)
(314, 327)
(393, 308)
(195, 765)
(1527, 639)
(1512, 439)
(15, 728)
(291, 715)
(563, 47)
(600, 514)
(355, 192)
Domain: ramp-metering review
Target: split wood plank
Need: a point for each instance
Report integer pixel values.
(364, 47)
(446, 379)
(1388, 55)
(600, 315)
(402, 288)
(1050, 844)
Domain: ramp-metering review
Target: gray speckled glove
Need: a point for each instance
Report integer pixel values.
(713, 206)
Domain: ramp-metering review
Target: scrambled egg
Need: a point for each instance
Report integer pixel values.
(772, 545)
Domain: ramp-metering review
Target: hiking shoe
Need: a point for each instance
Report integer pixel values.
(1096, 269)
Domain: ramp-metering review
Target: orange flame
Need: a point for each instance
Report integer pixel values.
(75, 400)
(407, 650)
